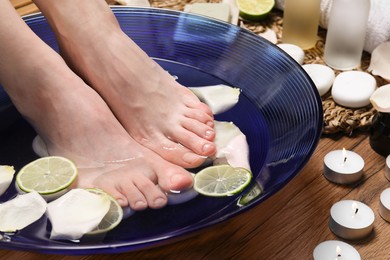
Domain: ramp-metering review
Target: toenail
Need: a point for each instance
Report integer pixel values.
(210, 123)
(209, 133)
(207, 147)
(121, 202)
(191, 158)
(159, 202)
(176, 179)
(140, 204)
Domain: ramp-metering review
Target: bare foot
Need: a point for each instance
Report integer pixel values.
(75, 122)
(156, 111)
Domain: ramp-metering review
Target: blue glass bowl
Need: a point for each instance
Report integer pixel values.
(279, 110)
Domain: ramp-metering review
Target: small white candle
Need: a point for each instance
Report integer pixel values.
(351, 219)
(353, 89)
(387, 168)
(335, 250)
(384, 205)
(343, 167)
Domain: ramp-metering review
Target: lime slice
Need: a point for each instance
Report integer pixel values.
(253, 193)
(221, 180)
(111, 219)
(47, 175)
(254, 10)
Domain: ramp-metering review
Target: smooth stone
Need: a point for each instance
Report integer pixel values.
(353, 89)
(322, 76)
(294, 51)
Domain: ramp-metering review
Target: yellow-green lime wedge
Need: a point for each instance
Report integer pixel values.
(112, 218)
(255, 10)
(221, 180)
(47, 175)
(253, 193)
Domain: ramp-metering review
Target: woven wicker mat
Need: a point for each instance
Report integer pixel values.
(336, 118)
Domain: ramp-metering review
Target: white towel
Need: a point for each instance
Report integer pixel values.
(378, 27)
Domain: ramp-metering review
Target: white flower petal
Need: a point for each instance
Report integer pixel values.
(219, 98)
(76, 213)
(380, 61)
(21, 211)
(231, 144)
(6, 176)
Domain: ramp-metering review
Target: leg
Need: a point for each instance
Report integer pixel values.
(178, 126)
(75, 122)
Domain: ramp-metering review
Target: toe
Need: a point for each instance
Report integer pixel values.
(174, 178)
(175, 152)
(194, 142)
(134, 196)
(202, 130)
(155, 198)
(199, 115)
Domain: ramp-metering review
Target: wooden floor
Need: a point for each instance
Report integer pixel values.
(289, 225)
(24, 7)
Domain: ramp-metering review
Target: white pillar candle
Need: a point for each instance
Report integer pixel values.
(343, 167)
(335, 250)
(387, 168)
(353, 89)
(384, 205)
(350, 219)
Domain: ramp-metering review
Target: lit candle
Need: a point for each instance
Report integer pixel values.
(333, 249)
(384, 205)
(343, 167)
(387, 168)
(351, 219)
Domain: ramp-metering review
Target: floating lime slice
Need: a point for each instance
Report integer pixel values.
(221, 180)
(47, 175)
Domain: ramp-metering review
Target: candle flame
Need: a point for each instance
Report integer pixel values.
(345, 155)
(355, 208)
(338, 252)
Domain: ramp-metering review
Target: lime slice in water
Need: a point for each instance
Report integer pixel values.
(47, 175)
(111, 219)
(221, 180)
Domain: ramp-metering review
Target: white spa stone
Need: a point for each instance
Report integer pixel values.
(387, 168)
(353, 89)
(322, 76)
(270, 35)
(294, 51)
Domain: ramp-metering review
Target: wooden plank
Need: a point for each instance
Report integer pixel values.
(20, 3)
(27, 9)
